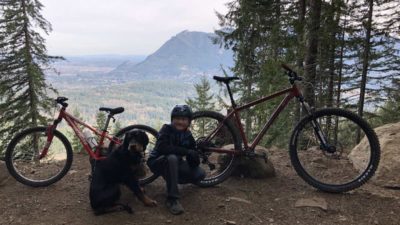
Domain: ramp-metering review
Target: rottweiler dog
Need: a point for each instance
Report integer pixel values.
(120, 167)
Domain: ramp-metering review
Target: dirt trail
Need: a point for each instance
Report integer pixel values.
(270, 201)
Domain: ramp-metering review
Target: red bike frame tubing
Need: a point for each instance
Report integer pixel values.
(291, 93)
(73, 123)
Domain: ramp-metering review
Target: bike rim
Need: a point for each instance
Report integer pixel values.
(345, 162)
(201, 127)
(30, 162)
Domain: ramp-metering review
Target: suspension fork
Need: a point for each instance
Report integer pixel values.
(50, 134)
(317, 128)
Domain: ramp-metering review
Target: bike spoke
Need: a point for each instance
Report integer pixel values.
(213, 163)
(27, 164)
(332, 165)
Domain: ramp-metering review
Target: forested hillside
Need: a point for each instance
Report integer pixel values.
(185, 56)
(347, 51)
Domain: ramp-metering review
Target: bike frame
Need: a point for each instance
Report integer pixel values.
(73, 122)
(292, 92)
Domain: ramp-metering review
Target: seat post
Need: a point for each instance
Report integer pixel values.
(107, 122)
(230, 95)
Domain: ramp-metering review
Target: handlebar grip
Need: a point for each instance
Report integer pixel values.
(61, 101)
(286, 67)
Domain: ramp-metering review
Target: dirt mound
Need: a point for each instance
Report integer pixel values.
(387, 174)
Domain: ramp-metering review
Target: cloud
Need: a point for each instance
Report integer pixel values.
(124, 26)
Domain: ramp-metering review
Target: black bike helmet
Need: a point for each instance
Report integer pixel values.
(183, 111)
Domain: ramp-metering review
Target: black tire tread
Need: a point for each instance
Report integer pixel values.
(369, 132)
(22, 180)
(238, 145)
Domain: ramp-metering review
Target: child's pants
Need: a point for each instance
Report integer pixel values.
(175, 170)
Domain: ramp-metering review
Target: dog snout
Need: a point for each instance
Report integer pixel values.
(136, 147)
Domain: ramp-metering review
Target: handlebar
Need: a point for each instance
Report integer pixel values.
(292, 74)
(286, 67)
(62, 101)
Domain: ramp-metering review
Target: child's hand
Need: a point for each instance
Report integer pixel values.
(193, 158)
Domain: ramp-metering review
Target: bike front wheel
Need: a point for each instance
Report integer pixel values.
(27, 162)
(346, 163)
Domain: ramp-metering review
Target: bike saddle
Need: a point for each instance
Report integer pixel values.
(225, 79)
(112, 110)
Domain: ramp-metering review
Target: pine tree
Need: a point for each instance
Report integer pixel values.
(312, 37)
(117, 127)
(24, 94)
(203, 101)
(256, 31)
(100, 120)
(350, 52)
(75, 142)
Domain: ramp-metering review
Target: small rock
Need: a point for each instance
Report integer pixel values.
(72, 171)
(221, 205)
(239, 200)
(342, 218)
(168, 221)
(271, 220)
(312, 202)
(376, 222)
(230, 222)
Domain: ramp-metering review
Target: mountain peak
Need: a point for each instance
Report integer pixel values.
(185, 54)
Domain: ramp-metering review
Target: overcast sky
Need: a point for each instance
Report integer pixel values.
(87, 27)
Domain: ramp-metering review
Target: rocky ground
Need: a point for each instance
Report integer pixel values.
(284, 199)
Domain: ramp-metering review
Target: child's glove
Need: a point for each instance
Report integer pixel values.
(193, 158)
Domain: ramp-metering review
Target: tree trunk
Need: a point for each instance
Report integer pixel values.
(312, 50)
(367, 42)
(339, 83)
(300, 55)
(33, 109)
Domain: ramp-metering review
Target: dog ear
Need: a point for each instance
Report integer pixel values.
(127, 139)
(145, 139)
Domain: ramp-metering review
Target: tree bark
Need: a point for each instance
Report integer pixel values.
(300, 55)
(366, 52)
(312, 50)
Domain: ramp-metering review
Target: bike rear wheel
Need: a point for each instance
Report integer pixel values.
(147, 176)
(338, 168)
(25, 164)
(218, 166)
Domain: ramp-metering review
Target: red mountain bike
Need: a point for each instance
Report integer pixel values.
(320, 148)
(41, 156)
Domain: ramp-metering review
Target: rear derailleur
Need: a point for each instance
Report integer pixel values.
(201, 144)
